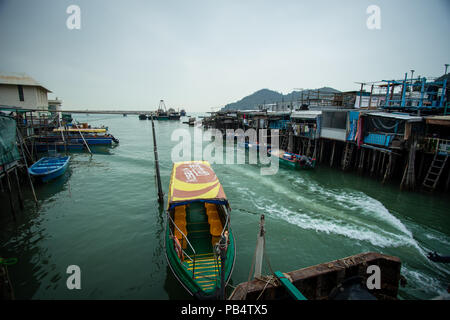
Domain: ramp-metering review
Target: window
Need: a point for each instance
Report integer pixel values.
(20, 88)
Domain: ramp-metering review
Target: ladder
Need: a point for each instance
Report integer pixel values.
(284, 142)
(435, 171)
(347, 158)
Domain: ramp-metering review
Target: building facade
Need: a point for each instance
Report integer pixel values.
(22, 92)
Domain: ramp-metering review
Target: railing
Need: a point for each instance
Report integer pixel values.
(439, 145)
(190, 245)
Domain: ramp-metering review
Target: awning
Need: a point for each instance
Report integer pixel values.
(438, 120)
(193, 181)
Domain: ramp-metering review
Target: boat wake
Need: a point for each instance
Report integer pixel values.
(345, 212)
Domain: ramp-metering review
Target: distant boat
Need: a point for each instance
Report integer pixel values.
(161, 113)
(49, 168)
(293, 160)
(173, 115)
(142, 117)
(199, 244)
(183, 113)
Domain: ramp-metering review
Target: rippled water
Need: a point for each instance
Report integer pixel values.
(103, 216)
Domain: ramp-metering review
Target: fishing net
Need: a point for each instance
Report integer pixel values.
(8, 148)
(384, 125)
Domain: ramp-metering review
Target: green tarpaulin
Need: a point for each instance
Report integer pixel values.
(8, 147)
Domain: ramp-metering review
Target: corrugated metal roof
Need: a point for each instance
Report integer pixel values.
(306, 114)
(19, 79)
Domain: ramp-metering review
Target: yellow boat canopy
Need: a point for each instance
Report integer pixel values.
(193, 181)
(96, 130)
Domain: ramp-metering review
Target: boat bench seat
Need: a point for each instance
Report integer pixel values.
(180, 221)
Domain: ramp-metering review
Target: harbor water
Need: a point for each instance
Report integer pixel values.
(103, 216)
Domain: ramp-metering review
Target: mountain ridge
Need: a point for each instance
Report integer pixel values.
(252, 101)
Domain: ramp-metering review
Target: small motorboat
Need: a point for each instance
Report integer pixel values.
(293, 160)
(199, 244)
(49, 168)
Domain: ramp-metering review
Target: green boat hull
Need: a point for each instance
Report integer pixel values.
(183, 270)
(296, 165)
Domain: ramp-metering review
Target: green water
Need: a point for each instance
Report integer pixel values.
(103, 216)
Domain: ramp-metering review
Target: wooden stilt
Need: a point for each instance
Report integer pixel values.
(321, 151)
(332, 154)
(374, 158)
(11, 201)
(22, 143)
(447, 184)
(388, 169)
(361, 160)
(19, 190)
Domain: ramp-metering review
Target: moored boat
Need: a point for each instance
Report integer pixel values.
(174, 115)
(293, 160)
(142, 117)
(49, 168)
(199, 243)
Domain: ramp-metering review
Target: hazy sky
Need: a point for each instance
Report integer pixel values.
(204, 54)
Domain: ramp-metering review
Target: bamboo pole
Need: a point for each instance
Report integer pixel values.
(11, 201)
(26, 164)
(19, 191)
(81, 134)
(158, 177)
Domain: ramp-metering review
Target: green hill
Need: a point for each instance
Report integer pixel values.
(262, 96)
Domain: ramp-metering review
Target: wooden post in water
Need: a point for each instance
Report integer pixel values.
(11, 201)
(259, 249)
(332, 154)
(158, 177)
(22, 146)
(19, 190)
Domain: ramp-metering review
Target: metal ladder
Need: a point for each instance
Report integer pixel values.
(432, 177)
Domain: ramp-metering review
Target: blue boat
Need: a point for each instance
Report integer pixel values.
(48, 168)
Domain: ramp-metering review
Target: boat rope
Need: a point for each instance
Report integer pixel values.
(269, 280)
(251, 271)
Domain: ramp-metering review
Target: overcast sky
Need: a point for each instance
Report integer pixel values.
(204, 54)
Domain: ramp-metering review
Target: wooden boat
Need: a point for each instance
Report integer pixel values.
(74, 138)
(48, 168)
(82, 130)
(293, 160)
(199, 244)
(330, 280)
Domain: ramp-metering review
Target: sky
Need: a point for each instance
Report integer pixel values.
(200, 55)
